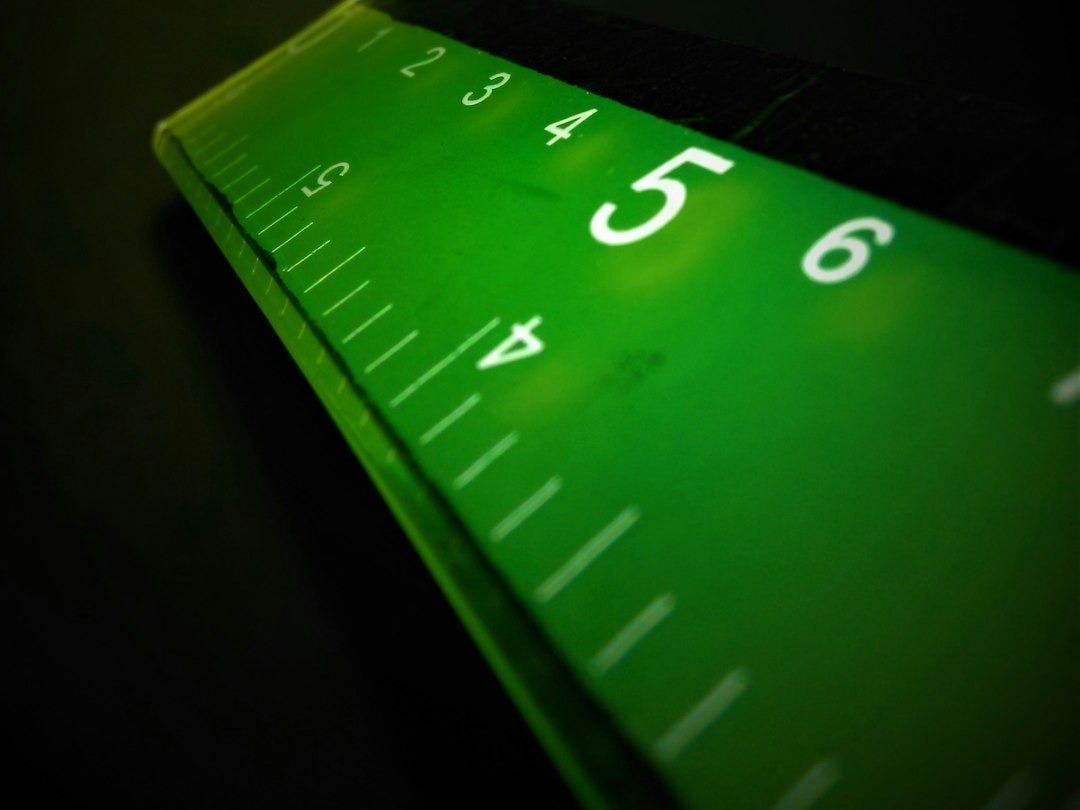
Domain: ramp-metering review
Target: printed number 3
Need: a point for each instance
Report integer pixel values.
(657, 180)
(498, 79)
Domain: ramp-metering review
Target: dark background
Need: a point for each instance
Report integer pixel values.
(201, 609)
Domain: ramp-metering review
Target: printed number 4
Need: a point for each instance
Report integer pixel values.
(562, 129)
(522, 343)
(323, 180)
(657, 180)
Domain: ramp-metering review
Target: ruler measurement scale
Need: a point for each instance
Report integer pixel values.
(521, 512)
(456, 419)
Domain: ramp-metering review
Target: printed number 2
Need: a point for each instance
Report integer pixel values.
(522, 343)
(657, 180)
(435, 53)
(323, 180)
(497, 79)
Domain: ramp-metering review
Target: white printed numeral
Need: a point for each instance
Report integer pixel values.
(522, 343)
(657, 180)
(840, 239)
(435, 53)
(497, 79)
(323, 180)
(562, 129)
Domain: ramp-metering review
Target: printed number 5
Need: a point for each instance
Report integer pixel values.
(498, 79)
(323, 180)
(656, 180)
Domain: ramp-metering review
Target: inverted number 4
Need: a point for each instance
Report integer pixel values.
(562, 129)
(522, 343)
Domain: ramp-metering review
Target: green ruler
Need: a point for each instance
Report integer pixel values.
(756, 490)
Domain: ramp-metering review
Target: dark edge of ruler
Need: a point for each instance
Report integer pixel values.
(991, 166)
(615, 770)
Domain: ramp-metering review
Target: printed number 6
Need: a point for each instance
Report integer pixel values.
(322, 181)
(499, 80)
(656, 180)
(840, 238)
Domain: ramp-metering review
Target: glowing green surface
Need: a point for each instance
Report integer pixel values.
(837, 519)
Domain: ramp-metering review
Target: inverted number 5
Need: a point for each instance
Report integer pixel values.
(657, 180)
(498, 79)
(323, 180)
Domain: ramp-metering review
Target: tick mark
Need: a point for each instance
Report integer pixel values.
(631, 635)
(413, 387)
(225, 169)
(1066, 391)
(251, 191)
(324, 278)
(367, 323)
(689, 727)
(526, 509)
(308, 256)
(397, 347)
(470, 473)
(811, 786)
(295, 183)
(587, 553)
(382, 32)
(439, 427)
(276, 221)
(283, 244)
(1017, 794)
(218, 155)
(210, 143)
(343, 299)
(233, 182)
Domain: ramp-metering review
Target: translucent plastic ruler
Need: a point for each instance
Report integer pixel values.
(756, 490)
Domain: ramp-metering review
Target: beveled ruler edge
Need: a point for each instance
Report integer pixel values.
(375, 443)
(600, 767)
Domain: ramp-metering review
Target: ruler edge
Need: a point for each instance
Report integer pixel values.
(407, 503)
(599, 765)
